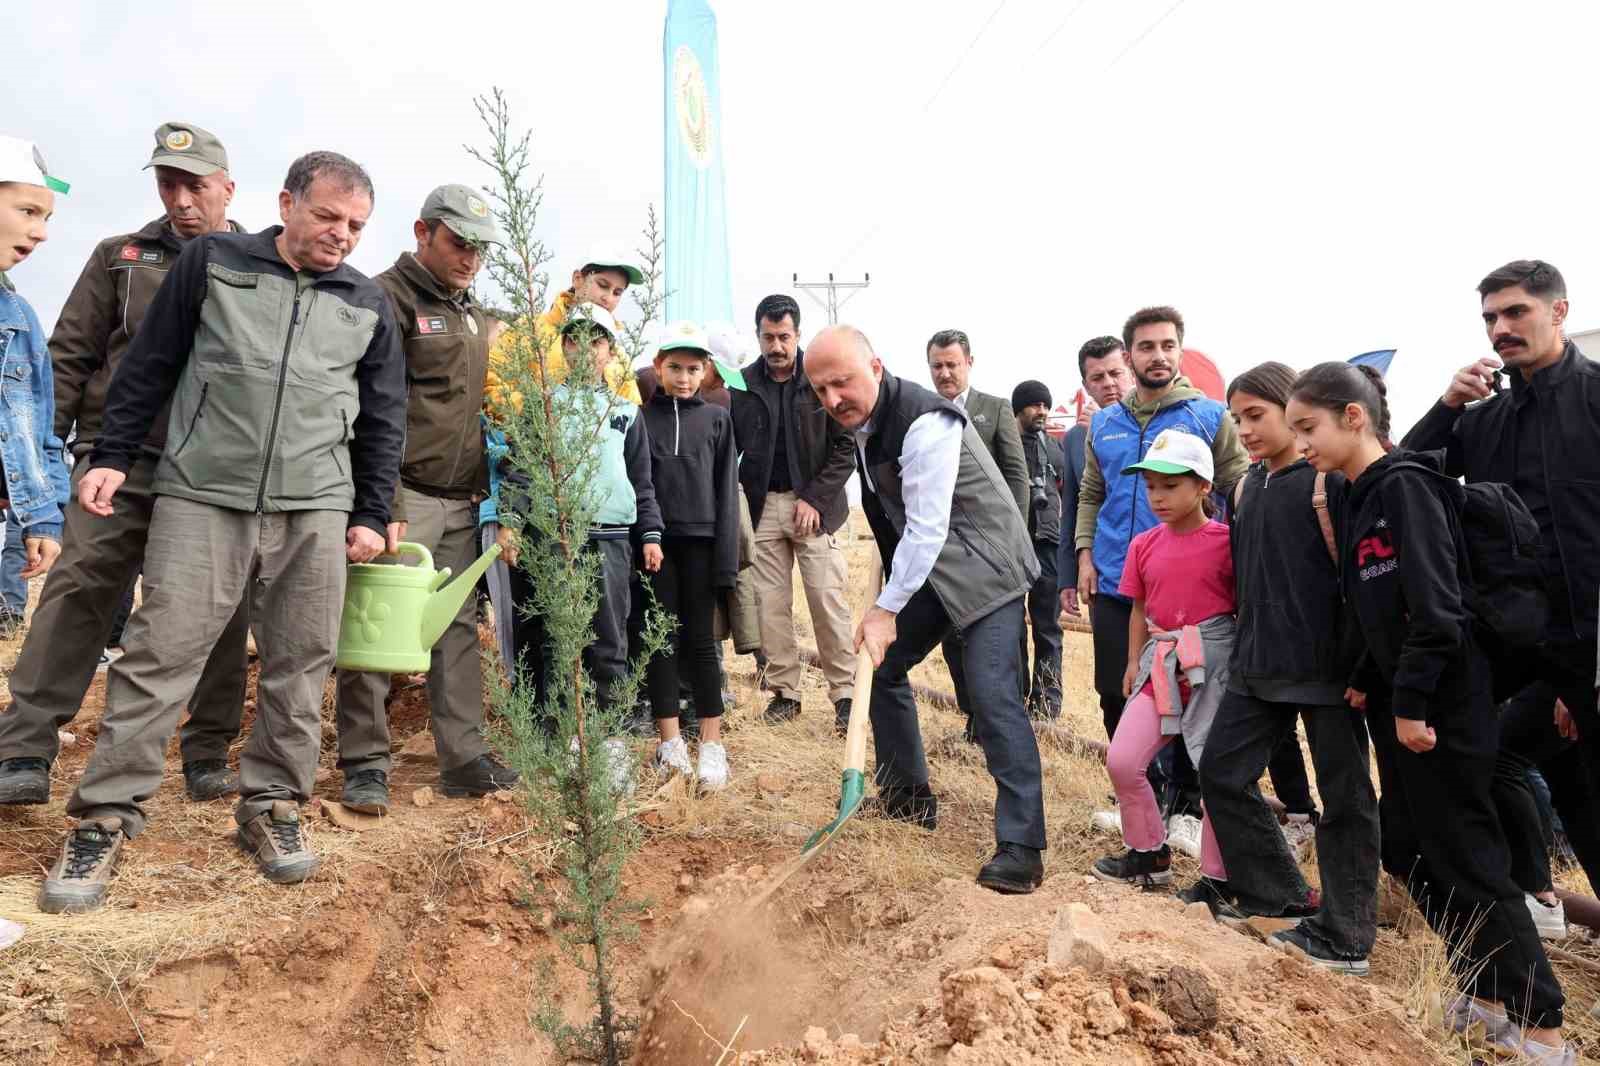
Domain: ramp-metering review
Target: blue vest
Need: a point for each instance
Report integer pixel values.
(1119, 442)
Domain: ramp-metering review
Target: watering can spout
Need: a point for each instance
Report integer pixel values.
(444, 602)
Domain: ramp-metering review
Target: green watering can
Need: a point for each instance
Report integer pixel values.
(394, 614)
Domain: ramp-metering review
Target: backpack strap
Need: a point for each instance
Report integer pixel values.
(1238, 492)
(1319, 503)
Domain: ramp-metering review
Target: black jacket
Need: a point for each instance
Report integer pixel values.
(1480, 443)
(1073, 446)
(1045, 462)
(1400, 558)
(695, 468)
(821, 457)
(1288, 646)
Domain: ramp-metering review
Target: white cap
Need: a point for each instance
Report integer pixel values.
(685, 335)
(1177, 451)
(594, 313)
(614, 258)
(21, 162)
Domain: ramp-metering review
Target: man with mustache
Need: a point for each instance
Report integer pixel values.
(957, 555)
(1030, 400)
(101, 557)
(1113, 509)
(287, 387)
(1541, 436)
(1103, 367)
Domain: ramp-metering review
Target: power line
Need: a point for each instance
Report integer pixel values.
(967, 52)
(1148, 30)
(832, 303)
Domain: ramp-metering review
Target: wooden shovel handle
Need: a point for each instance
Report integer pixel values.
(855, 743)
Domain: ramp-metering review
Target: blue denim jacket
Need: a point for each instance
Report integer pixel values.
(36, 469)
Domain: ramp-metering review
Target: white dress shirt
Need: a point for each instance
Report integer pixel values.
(929, 460)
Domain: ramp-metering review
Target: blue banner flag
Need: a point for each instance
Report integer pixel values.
(699, 286)
(1380, 359)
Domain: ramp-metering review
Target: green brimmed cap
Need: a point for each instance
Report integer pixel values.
(21, 162)
(1176, 452)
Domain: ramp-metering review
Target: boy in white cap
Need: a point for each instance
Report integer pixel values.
(33, 471)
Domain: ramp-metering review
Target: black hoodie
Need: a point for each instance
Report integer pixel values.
(1400, 542)
(1287, 647)
(696, 474)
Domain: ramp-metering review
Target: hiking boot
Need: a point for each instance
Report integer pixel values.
(781, 709)
(481, 776)
(1214, 894)
(1549, 919)
(1183, 833)
(24, 781)
(915, 804)
(1314, 949)
(274, 839)
(366, 791)
(841, 715)
(672, 757)
(712, 767)
(209, 779)
(1147, 869)
(1015, 870)
(79, 879)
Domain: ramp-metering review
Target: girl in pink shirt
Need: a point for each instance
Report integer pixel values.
(1180, 577)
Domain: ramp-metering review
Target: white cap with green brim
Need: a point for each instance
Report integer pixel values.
(1176, 451)
(685, 336)
(610, 257)
(21, 162)
(595, 316)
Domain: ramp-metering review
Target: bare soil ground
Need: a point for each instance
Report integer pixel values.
(417, 943)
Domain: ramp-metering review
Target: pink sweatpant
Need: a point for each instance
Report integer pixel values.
(1137, 741)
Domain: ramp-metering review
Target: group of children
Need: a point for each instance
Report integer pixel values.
(1334, 595)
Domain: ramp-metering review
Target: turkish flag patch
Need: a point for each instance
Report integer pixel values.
(132, 253)
(434, 324)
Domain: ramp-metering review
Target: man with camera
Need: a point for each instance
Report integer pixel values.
(1030, 402)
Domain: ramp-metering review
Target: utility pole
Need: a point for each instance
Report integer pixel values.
(832, 303)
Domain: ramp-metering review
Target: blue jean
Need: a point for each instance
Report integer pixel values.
(993, 671)
(13, 590)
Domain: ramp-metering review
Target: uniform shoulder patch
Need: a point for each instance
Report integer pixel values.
(132, 253)
(432, 324)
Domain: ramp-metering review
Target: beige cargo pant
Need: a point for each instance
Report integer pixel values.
(199, 564)
(823, 573)
(449, 530)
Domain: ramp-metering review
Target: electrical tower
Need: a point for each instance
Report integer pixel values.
(832, 303)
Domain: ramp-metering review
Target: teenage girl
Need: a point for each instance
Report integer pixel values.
(1288, 664)
(1430, 709)
(1179, 576)
(695, 467)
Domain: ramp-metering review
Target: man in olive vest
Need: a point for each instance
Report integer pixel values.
(445, 334)
(287, 389)
(957, 555)
(101, 557)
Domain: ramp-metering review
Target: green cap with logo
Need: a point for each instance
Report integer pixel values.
(465, 211)
(188, 147)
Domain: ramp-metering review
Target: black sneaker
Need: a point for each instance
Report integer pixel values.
(208, 779)
(481, 776)
(24, 781)
(781, 709)
(841, 716)
(1214, 894)
(1015, 870)
(1311, 947)
(366, 791)
(915, 804)
(1147, 869)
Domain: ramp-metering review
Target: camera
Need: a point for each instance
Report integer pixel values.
(1041, 498)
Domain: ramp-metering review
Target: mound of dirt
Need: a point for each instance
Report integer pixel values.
(970, 980)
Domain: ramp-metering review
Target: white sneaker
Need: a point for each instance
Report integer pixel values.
(1300, 833)
(713, 767)
(1549, 919)
(1107, 821)
(107, 657)
(1183, 833)
(672, 757)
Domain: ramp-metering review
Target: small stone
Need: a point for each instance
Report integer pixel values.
(65, 738)
(353, 820)
(1078, 939)
(1032, 995)
(1101, 1015)
(423, 797)
(1003, 957)
(1189, 1000)
(685, 883)
(419, 748)
(1198, 912)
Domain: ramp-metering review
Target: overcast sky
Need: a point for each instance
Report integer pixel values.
(1303, 181)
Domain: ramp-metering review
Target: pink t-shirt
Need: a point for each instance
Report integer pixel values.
(1183, 578)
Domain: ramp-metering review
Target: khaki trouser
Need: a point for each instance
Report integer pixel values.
(99, 559)
(822, 574)
(449, 530)
(200, 564)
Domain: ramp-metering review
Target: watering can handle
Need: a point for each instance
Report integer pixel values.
(408, 547)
